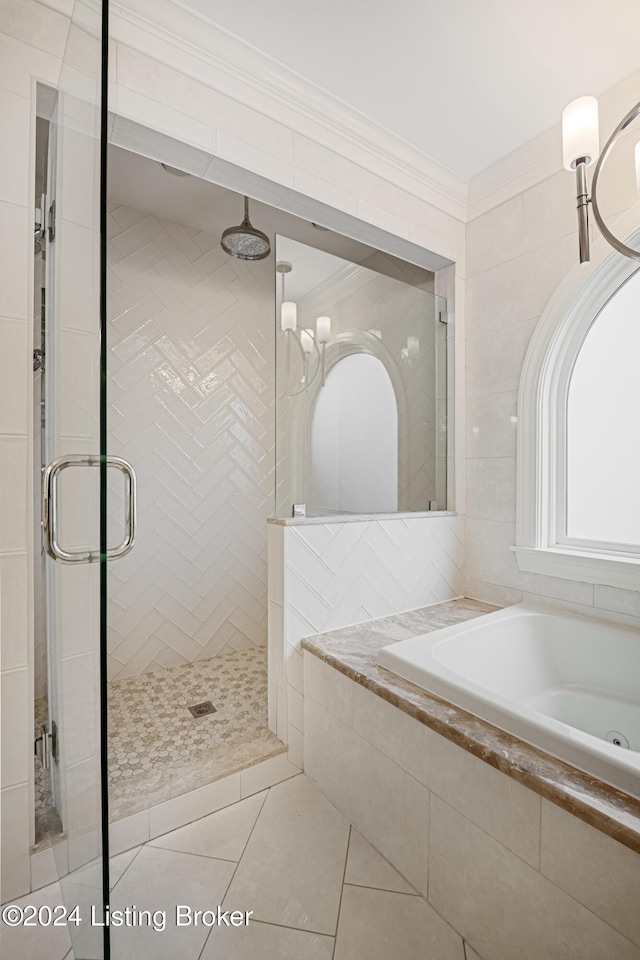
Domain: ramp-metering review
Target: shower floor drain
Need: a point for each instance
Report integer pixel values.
(202, 709)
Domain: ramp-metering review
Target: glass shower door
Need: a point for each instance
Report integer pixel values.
(74, 478)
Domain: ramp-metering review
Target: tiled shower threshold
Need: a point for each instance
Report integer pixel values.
(159, 751)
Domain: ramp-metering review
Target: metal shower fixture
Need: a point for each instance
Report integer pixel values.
(244, 241)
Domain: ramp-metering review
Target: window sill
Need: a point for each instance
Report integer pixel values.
(611, 571)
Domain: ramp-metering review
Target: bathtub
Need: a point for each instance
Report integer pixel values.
(564, 683)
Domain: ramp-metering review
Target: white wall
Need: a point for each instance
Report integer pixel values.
(517, 255)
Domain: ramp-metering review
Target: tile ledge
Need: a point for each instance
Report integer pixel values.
(351, 517)
(597, 803)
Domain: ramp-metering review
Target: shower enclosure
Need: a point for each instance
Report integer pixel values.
(156, 350)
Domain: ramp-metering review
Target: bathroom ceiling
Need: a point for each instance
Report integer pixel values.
(464, 81)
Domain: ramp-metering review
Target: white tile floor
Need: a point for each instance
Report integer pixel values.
(317, 889)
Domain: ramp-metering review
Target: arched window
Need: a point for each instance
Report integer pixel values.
(579, 431)
(602, 504)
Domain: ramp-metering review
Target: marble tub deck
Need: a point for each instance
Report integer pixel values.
(353, 652)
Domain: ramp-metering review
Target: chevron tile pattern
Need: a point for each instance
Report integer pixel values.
(339, 574)
(191, 407)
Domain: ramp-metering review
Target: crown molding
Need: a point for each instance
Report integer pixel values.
(166, 29)
(541, 157)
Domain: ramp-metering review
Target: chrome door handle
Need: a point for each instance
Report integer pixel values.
(50, 508)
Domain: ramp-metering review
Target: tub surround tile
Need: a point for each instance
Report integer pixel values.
(596, 870)
(352, 651)
(504, 905)
(394, 817)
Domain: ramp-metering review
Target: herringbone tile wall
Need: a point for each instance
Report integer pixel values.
(334, 575)
(191, 407)
(343, 573)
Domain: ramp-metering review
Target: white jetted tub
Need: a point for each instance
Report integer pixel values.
(567, 684)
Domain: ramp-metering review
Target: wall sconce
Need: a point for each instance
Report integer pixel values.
(323, 334)
(580, 148)
(288, 309)
(288, 315)
(307, 341)
(307, 344)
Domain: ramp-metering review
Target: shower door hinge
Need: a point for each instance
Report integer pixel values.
(46, 745)
(45, 226)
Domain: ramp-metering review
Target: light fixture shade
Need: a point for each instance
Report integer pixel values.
(413, 347)
(638, 166)
(323, 329)
(376, 333)
(288, 315)
(580, 133)
(306, 340)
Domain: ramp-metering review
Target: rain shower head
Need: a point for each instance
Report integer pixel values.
(244, 241)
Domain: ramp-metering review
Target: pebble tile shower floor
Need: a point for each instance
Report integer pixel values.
(158, 750)
(47, 821)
